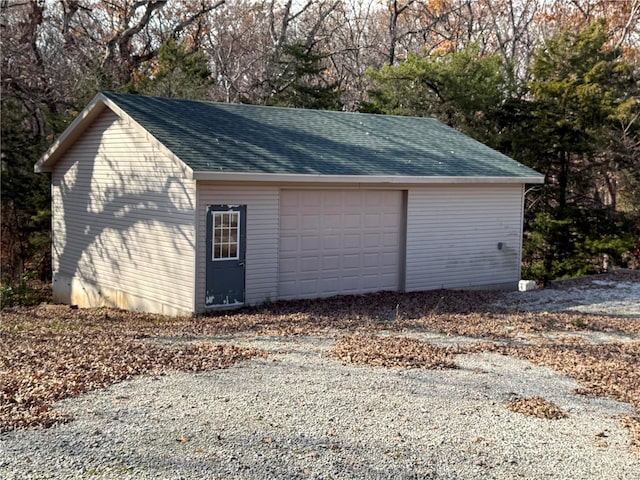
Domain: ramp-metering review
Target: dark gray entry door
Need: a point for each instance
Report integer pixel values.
(226, 243)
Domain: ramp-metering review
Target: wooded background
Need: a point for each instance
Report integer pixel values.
(551, 83)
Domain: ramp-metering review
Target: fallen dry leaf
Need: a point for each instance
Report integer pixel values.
(536, 407)
(378, 351)
(50, 354)
(632, 422)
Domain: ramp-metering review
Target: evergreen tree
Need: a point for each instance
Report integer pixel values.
(581, 93)
(462, 89)
(581, 89)
(177, 73)
(26, 198)
(301, 83)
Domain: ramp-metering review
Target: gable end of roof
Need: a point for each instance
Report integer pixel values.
(83, 121)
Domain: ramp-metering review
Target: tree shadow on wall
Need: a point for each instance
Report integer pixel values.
(123, 217)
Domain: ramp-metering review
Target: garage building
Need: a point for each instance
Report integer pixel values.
(177, 206)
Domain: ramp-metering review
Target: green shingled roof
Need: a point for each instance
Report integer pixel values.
(217, 137)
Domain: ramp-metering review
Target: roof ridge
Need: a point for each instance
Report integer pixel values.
(280, 107)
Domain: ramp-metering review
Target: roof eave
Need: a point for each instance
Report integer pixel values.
(368, 179)
(71, 134)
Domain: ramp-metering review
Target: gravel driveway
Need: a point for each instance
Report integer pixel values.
(606, 296)
(299, 414)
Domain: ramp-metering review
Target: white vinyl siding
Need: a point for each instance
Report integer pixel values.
(453, 234)
(123, 232)
(336, 242)
(262, 237)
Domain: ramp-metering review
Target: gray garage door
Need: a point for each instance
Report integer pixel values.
(339, 242)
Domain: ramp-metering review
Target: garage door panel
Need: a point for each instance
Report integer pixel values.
(288, 222)
(288, 266)
(288, 288)
(351, 198)
(309, 264)
(308, 286)
(331, 264)
(389, 259)
(351, 261)
(351, 240)
(309, 243)
(387, 278)
(371, 240)
(389, 220)
(330, 242)
(289, 244)
(339, 242)
(329, 285)
(332, 203)
(370, 281)
(332, 221)
(310, 222)
(373, 220)
(292, 199)
(371, 260)
(311, 199)
(349, 284)
(390, 240)
(351, 221)
(373, 201)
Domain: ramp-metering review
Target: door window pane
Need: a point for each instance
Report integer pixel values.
(226, 234)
